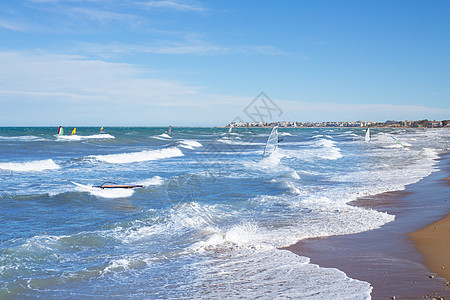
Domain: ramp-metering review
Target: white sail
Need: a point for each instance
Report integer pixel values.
(272, 142)
(229, 130)
(368, 135)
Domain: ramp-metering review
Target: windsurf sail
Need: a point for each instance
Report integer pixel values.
(60, 130)
(397, 141)
(101, 130)
(272, 142)
(74, 131)
(368, 135)
(229, 130)
(169, 131)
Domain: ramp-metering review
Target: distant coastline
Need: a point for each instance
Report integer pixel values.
(388, 124)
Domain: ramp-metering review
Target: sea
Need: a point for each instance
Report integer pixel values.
(212, 216)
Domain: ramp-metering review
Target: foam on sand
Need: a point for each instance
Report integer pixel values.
(30, 166)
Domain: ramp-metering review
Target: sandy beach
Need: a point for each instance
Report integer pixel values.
(406, 259)
(433, 241)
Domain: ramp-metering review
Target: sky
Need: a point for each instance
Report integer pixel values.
(208, 63)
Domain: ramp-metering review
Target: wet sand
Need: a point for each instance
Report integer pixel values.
(389, 258)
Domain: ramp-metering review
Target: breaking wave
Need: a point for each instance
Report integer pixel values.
(146, 155)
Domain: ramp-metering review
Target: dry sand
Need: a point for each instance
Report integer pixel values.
(433, 241)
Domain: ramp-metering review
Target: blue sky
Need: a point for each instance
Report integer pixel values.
(201, 63)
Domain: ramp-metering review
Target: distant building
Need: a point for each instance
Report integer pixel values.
(436, 124)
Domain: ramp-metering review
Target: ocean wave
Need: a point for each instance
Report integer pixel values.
(285, 134)
(272, 274)
(177, 220)
(234, 142)
(156, 180)
(146, 155)
(329, 149)
(23, 138)
(30, 166)
(163, 136)
(104, 193)
(190, 144)
(77, 137)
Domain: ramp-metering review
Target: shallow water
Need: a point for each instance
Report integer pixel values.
(211, 214)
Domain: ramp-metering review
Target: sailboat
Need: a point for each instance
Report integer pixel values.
(229, 130)
(272, 142)
(60, 131)
(169, 131)
(368, 135)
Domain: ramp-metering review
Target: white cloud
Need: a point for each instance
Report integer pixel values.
(46, 89)
(12, 26)
(102, 16)
(174, 5)
(189, 44)
(327, 111)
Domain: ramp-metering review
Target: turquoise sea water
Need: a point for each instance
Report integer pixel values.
(211, 215)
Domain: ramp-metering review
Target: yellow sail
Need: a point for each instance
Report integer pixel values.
(74, 131)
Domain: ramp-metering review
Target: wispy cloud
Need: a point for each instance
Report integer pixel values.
(193, 44)
(47, 89)
(174, 5)
(334, 111)
(12, 26)
(103, 16)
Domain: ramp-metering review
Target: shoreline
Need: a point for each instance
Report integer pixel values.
(433, 241)
(399, 259)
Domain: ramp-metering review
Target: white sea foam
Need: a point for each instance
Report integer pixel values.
(186, 216)
(235, 142)
(146, 155)
(124, 264)
(241, 236)
(104, 193)
(272, 274)
(99, 136)
(190, 144)
(329, 149)
(163, 136)
(285, 134)
(156, 180)
(74, 137)
(30, 166)
(77, 137)
(23, 138)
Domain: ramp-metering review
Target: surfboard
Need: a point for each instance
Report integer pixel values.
(111, 185)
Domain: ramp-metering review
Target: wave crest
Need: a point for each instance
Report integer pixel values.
(146, 155)
(30, 166)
